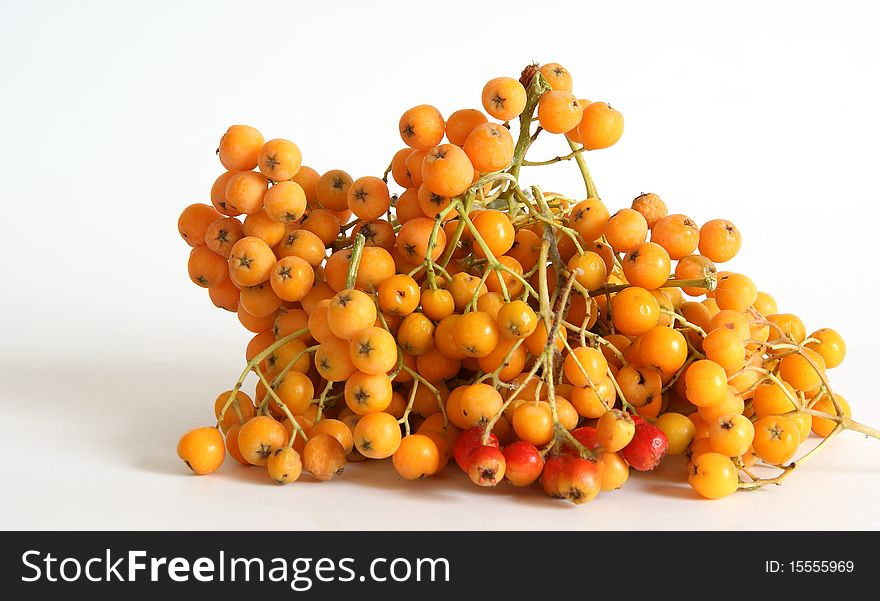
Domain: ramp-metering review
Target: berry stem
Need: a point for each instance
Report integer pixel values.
(419, 378)
(585, 171)
(537, 87)
(322, 399)
(297, 429)
(356, 252)
(253, 363)
(409, 405)
(556, 159)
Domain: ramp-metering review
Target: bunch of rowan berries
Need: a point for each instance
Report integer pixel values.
(531, 336)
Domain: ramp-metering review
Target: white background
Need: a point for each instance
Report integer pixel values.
(765, 113)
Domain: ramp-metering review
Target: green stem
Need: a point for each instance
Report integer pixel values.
(253, 363)
(356, 251)
(537, 87)
(585, 171)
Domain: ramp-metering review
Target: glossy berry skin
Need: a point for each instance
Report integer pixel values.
(550, 476)
(713, 475)
(202, 450)
(580, 480)
(587, 436)
(486, 465)
(467, 442)
(647, 447)
(524, 463)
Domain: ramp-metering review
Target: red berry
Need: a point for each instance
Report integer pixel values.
(486, 466)
(550, 476)
(524, 463)
(587, 436)
(580, 480)
(647, 447)
(468, 441)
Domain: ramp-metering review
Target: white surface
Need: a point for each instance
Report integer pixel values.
(765, 113)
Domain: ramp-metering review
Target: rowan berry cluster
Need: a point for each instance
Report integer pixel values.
(531, 336)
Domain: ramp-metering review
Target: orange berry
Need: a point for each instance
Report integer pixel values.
(416, 334)
(735, 291)
(559, 111)
(323, 223)
(626, 230)
(694, 267)
(504, 98)
(600, 127)
(705, 383)
(206, 268)
(496, 230)
(413, 238)
(376, 232)
(332, 360)
(250, 261)
(303, 244)
(222, 234)
(512, 284)
(279, 159)
(285, 202)
(766, 304)
(225, 295)
(399, 171)
(533, 422)
(368, 393)
(218, 194)
(589, 269)
(831, 346)
(489, 147)
(634, 311)
(588, 218)
(479, 403)
(476, 334)
(350, 311)
(584, 365)
(292, 278)
(557, 76)
(408, 206)
(664, 349)
(308, 180)
(447, 170)
(823, 426)
(194, 222)
(240, 147)
(259, 437)
(260, 225)
(431, 204)
(245, 191)
(377, 435)
(399, 295)
(678, 234)
(422, 127)
(253, 323)
(647, 266)
(719, 240)
(414, 165)
(202, 450)
(797, 370)
(331, 190)
(259, 300)
(726, 348)
(651, 207)
(461, 123)
(437, 303)
(368, 198)
(373, 351)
